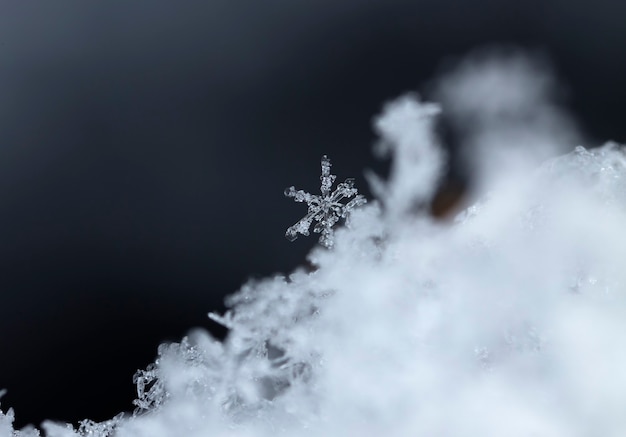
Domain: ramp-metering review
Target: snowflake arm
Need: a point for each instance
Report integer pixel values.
(326, 209)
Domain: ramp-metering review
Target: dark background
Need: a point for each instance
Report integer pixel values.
(145, 146)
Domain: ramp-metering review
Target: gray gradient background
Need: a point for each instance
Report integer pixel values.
(145, 146)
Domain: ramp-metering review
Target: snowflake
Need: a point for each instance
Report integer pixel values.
(326, 209)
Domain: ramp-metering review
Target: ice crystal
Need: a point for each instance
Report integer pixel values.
(326, 209)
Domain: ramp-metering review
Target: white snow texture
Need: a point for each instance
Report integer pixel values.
(509, 321)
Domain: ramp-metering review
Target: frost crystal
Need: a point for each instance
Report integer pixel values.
(326, 209)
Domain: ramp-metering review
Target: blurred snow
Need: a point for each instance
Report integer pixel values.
(508, 321)
(505, 105)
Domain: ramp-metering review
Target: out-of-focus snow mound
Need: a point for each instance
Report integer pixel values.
(509, 321)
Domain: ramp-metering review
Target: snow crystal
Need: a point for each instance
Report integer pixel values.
(326, 209)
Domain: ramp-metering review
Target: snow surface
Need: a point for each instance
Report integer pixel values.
(509, 321)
